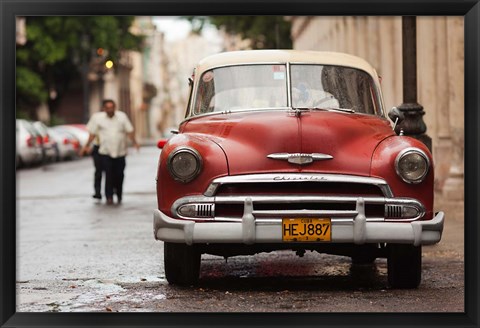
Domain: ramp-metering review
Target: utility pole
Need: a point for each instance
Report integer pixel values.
(413, 124)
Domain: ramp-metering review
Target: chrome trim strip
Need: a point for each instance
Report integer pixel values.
(298, 199)
(200, 200)
(278, 220)
(202, 211)
(300, 158)
(301, 213)
(277, 199)
(296, 177)
(289, 86)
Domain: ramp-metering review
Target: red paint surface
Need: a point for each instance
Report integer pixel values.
(238, 143)
(247, 139)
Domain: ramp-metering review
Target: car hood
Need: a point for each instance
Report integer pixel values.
(248, 138)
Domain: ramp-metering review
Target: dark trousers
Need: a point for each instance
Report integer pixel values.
(98, 163)
(114, 168)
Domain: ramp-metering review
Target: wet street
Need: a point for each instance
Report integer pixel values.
(77, 254)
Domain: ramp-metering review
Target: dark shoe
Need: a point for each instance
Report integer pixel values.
(97, 196)
(109, 201)
(119, 199)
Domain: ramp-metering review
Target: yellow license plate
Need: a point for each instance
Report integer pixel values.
(306, 229)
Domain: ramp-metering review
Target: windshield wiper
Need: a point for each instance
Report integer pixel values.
(345, 110)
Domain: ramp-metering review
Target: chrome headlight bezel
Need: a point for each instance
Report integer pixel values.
(188, 150)
(406, 152)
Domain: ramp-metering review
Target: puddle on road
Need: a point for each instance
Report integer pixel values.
(138, 297)
(104, 287)
(93, 294)
(97, 292)
(129, 280)
(101, 293)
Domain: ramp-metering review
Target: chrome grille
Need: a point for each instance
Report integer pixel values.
(393, 211)
(205, 210)
(301, 188)
(303, 183)
(275, 196)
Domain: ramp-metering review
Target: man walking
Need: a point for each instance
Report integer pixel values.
(98, 164)
(112, 128)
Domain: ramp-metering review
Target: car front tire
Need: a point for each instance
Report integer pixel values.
(364, 254)
(182, 264)
(404, 266)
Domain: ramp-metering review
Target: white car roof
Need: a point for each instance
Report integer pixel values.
(283, 56)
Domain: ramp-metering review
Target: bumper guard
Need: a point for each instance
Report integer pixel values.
(250, 230)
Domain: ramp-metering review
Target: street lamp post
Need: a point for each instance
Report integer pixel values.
(413, 124)
(85, 70)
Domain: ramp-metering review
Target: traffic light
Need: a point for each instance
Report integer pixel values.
(109, 64)
(101, 61)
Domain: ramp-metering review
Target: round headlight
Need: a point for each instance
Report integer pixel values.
(184, 164)
(412, 165)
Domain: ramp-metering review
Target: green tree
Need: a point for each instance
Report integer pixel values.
(265, 32)
(55, 49)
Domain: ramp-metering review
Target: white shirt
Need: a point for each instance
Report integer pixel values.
(111, 132)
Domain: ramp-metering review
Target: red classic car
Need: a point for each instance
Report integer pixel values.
(293, 150)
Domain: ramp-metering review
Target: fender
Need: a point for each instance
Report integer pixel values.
(214, 166)
(383, 166)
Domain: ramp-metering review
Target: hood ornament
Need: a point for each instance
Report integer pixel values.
(300, 158)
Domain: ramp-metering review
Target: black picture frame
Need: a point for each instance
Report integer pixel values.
(11, 8)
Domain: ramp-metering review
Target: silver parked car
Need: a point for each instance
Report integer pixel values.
(50, 151)
(28, 144)
(67, 144)
(78, 130)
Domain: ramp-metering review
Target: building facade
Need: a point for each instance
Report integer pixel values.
(183, 55)
(135, 81)
(440, 75)
(21, 31)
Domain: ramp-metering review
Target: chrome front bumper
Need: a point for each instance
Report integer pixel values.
(250, 230)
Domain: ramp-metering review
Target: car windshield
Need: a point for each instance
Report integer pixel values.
(242, 87)
(333, 87)
(264, 86)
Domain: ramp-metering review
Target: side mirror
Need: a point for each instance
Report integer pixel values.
(161, 143)
(396, 115)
